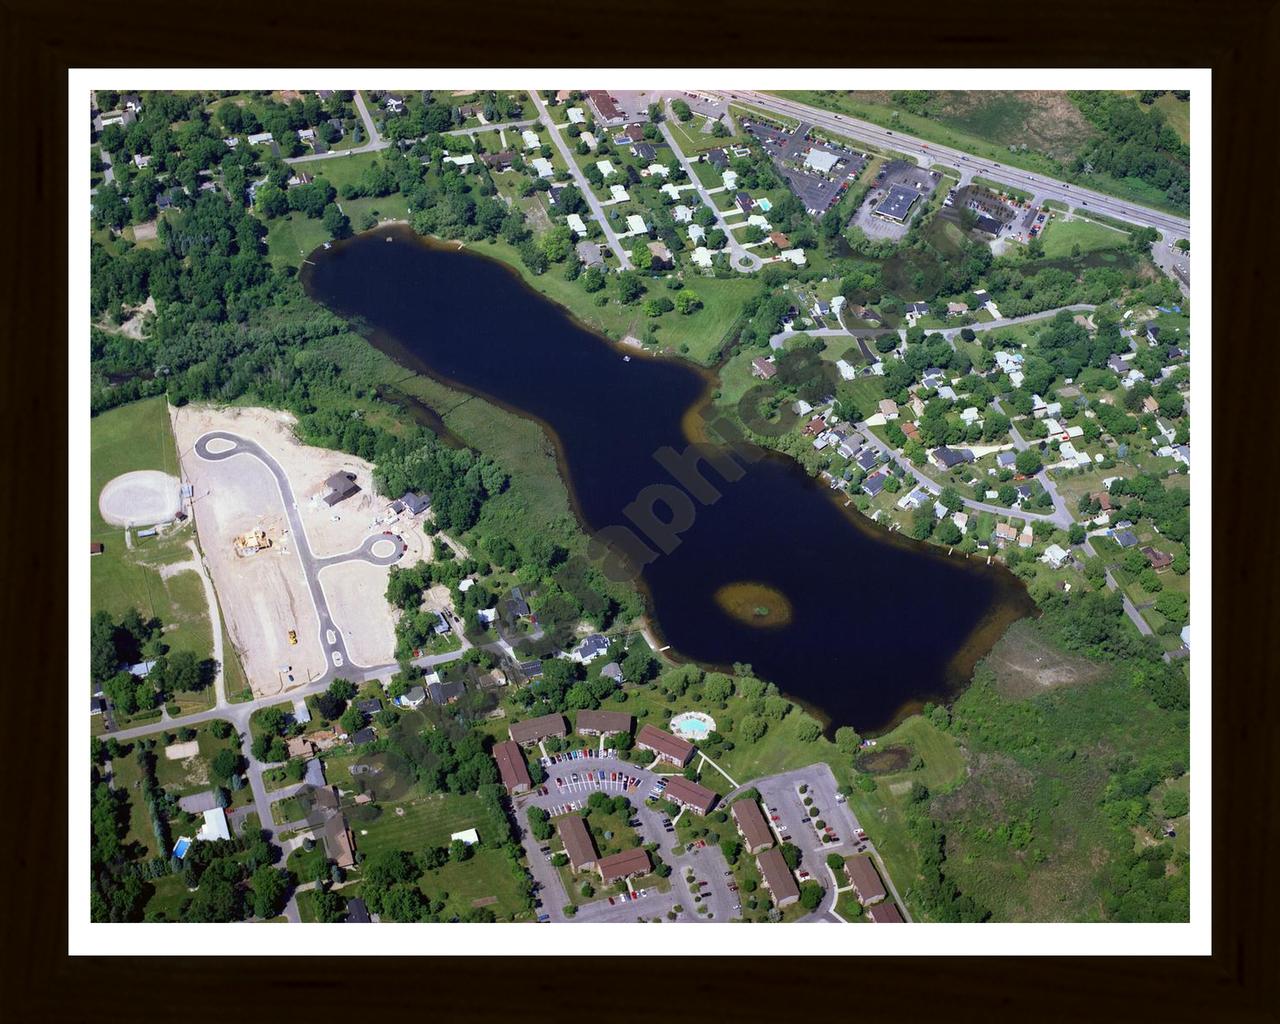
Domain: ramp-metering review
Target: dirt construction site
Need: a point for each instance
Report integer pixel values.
(253, 560)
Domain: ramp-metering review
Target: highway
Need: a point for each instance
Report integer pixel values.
(1042, 188)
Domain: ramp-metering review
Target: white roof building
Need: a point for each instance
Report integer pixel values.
(469, 836)
(820, 160)
(465, 160)
(1055, 556)
(682, 214)
(605, 168)
(702, 256)
(636, 223)
(697, 232)
(969, 416)
(576, 225)
(847, 371)
(259, 138)
(730, 179)
(759, 222)
(215, 825)
(531, 140)
(576, 116)
(795, 256)
(543, 166)
(670, 190)
(589, 139)
(619, 193)
(659, 169)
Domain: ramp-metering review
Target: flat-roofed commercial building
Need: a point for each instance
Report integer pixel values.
(511, 766)
(752, 827)
(624, 865)
(533, 730)
(603, 723)
(777, 877)
(664, 746)
(689, 794)
(866, 880)
(578, 844)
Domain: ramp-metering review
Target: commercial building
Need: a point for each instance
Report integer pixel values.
(777, 877)
(511, 766)
(664, 746)
(688, 794)
(578, 844)
(754, 830)
(896, 205)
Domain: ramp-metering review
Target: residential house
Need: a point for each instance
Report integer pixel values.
(662, 258)
(1158, 560)
(1055, 557)
(744, 202)
(339, 487)
(888, 408)
(499, 161)
(688, 794)
(511, 767)
(412, 698)
(873, 484)
(603, 723)
(591, 648)
(1005, 534)
(590, 255)
(865, 879)
(664, 745)
(947, 458)
(763, 368)
(579, 846)
(535, 730)
(777, 877)
(624, 865)
(755, 831)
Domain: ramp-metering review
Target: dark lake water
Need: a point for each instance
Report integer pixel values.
(878, 624)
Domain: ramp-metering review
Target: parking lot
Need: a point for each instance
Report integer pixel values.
(796, 823)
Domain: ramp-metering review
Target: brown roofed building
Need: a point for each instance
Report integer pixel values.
(689, 794)
(664, 746)
(761, 367)
(780, 240)
(500, 161)
(95, 548)
(605, 106)
(752, 826)
(624, 865)
(531, 730)
(866, 880)
(511, 766)
(911, 431)
(1160, 560)
(1103, 499)
(577, 840)
(885, 913)
(777, 877)
(601, 723)
(339, 845)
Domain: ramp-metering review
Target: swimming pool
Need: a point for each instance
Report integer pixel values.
(765, 205)
(692, 725)
(181, 847)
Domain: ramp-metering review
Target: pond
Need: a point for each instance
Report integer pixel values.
(859, 625)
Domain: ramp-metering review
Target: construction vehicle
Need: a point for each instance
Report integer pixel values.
(251, 543)
(293, 637)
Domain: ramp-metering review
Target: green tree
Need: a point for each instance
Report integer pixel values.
(270, 890)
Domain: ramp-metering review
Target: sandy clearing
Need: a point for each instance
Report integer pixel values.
(356, 592)
(141, 498)
(181, 751)
(264, 596)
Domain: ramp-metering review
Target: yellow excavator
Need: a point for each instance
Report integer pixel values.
(293, 637)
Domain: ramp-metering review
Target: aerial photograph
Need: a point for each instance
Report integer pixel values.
(636, 506)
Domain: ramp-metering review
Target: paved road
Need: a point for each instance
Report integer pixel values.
(1061, 514)
(584, 186)
(375, 143)
(1171, 225)
(742, 260)
(933, 487)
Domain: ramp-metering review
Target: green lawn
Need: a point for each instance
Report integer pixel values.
(1062, 236)
(291, 238)
(180, 777)
(166, 902)
(138, 436)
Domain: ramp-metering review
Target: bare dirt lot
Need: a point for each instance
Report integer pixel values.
(356, 592)
(1026, 665)
(141, 498)
(264, 596)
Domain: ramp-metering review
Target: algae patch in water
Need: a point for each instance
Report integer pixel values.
(755, 604)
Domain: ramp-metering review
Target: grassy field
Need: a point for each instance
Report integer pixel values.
(987, 124)
(1062, 236)
(192, 775)
(291, 238)
(137, 437)
(1177, 113)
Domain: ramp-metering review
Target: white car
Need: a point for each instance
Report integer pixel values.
(331, 636)
(337, 660)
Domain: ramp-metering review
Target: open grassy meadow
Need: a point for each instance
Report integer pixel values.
(1063, 236)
